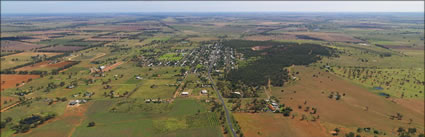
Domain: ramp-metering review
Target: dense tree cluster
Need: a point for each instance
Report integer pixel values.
(31, 122)
(273, 59)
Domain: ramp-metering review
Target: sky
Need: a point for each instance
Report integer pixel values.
(10, 7)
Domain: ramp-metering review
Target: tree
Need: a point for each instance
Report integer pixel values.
(287, 111)
(359, 130)
(9, 119)
(351, 134)
(400, 130)
(182, 71)
(2, 124)
(62, 84)
(336, 130)
(91, 124)
(225, 130)
(411, 130)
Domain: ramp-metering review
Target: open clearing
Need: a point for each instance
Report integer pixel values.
(10, 80)
(276, 125)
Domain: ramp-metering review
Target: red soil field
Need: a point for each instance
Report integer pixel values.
(350, 110)
(10, 81)
(112, 66)
(62, 48)
(276, 125)
(16, 45)
(44, 65)
(347, 114)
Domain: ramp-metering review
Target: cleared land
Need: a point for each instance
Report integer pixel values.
(10, 81)
(44, 66)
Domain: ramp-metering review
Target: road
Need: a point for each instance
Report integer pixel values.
(229, 121)
(10, 106)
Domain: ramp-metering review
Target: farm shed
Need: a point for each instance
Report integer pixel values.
(204, 91)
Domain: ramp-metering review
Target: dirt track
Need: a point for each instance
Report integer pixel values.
(8, 107)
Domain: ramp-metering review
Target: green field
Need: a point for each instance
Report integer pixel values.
(23, 58)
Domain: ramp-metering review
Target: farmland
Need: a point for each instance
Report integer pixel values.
(44, 66)
(229, 74)
(10, 81)
(61, 48)
(23, 58)
(18, 46)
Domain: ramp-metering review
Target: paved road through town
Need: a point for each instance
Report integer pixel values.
(229, 121)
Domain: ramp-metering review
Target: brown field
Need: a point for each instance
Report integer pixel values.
(112, 66)
(48, 32)
(276, 125)
(61, 48)
(39, 38)
(16, 45)
(348, 113)
(45, 65)
(10, 80)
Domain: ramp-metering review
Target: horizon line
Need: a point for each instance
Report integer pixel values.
(221, 12)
